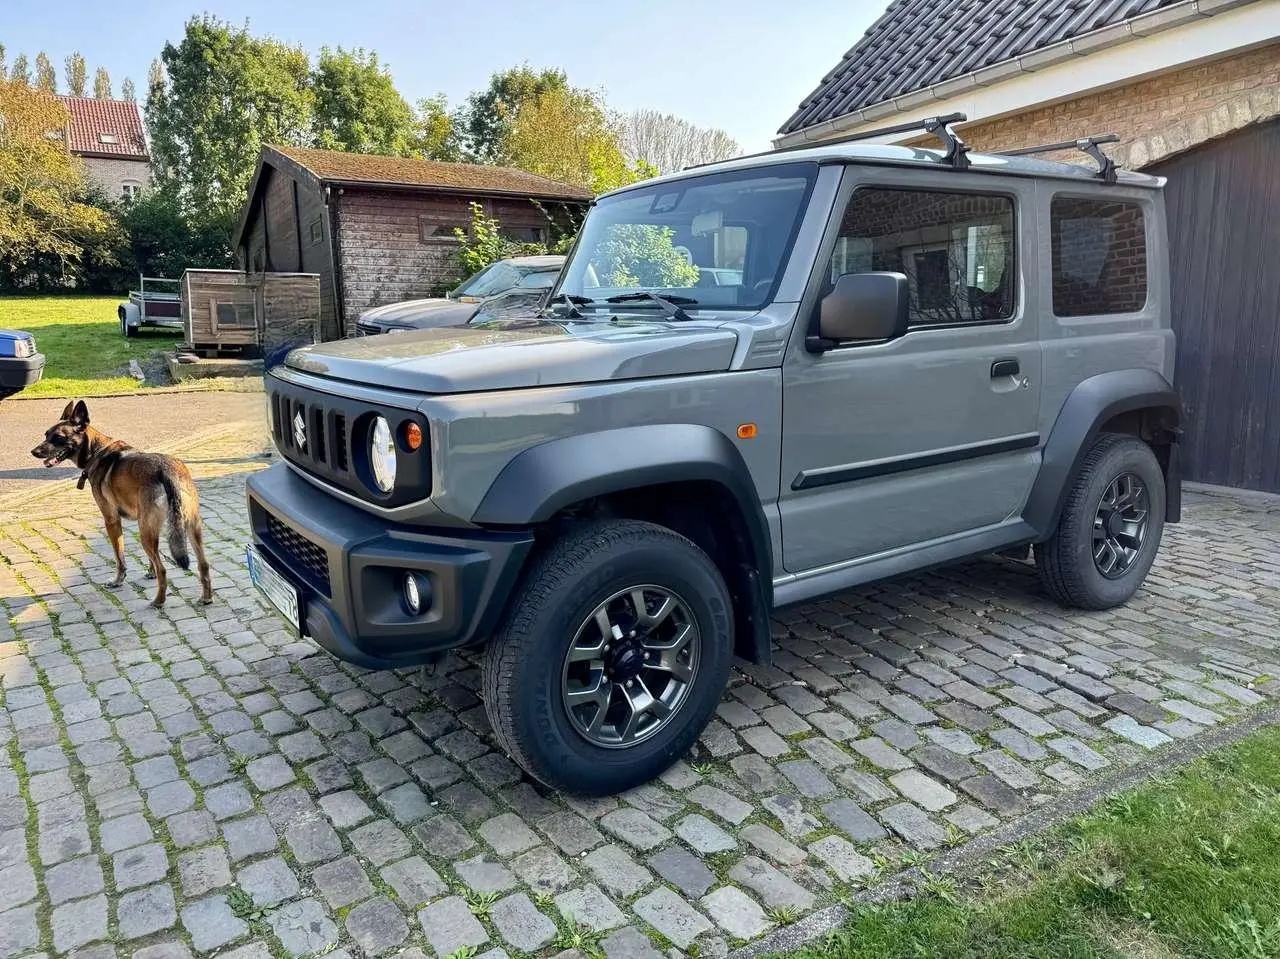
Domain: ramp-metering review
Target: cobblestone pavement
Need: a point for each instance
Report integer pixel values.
(198, 782)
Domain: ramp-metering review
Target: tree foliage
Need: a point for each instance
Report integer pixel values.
(670, 143)
(489, 114)
(74, 72)
(127, 92)
(41, 185)
(221, 95)
(566, 134)
(357, 106)
(4, 64)
(20, 72)
(102, 84)
(641, 254)
(483, 242)
(46, 76)
(437, 133)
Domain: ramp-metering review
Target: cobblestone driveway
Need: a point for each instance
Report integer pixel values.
(198, 782)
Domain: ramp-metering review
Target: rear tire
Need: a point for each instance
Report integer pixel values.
(6, 393)
(544, 684)
(1110, 528)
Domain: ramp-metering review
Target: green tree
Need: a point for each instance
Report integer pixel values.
(75, 74)
(567, 135)
(437, 133)
(102, 84)
(20, 72)
(127, 91)
(357, 106)
(164, 240)
(46, 77)
(155, 77)
(490, 113)
(219, 96)
(41, 186)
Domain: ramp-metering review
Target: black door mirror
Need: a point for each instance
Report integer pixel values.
(862, 307)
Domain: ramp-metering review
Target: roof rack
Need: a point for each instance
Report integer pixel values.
(957, 154)
(1089, 145)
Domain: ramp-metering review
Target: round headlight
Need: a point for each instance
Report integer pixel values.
(382, 455)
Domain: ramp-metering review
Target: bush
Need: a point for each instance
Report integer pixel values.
(483, 243)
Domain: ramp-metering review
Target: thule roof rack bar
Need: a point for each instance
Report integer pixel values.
(957, 155)
(1089, 145)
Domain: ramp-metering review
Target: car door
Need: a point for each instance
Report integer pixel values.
(894, 445)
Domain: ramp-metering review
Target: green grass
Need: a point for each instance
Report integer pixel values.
(1188, 866)
(86, 355)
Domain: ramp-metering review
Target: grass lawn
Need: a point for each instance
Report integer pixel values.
(1185, 866)
(86, 355)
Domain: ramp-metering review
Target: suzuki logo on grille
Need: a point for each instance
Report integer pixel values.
(299, 430)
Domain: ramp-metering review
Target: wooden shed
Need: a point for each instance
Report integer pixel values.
(232, 311)
(380, 229)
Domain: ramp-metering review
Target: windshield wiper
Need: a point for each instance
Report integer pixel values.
(571, 302)
(670, 304)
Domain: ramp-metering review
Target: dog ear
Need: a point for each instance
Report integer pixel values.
(81, 415)
(70, 408)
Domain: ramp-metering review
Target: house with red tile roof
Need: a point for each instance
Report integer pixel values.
(109, 137)
(380, 229)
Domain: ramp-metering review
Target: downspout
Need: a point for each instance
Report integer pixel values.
(335, 258)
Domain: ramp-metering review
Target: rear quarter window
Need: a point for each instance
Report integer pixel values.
(1099, 256)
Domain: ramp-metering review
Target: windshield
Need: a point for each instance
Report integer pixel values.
(494, 278)
(719, 240)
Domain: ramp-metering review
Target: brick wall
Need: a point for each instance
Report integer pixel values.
(1155, 118)
(388, 253)
(112, 174)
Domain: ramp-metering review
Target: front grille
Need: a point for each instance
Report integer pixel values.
(332, 442)
(363, 329)
(301, 554)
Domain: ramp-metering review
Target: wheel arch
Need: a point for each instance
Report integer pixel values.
(687, 477)
(1139, 402)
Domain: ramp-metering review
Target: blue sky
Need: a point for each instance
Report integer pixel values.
(741, 65)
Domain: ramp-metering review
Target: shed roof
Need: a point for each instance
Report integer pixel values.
(109, 128)
(918, 43)
(333, 166)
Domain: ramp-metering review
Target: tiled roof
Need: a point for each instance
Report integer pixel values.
(919, 43)
(105, 127)
(335, 167)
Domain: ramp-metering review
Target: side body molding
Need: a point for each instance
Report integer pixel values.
(1087, 409)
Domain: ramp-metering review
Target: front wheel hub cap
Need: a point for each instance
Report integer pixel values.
(630, 666)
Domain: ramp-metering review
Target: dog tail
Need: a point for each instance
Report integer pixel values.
(177, 528)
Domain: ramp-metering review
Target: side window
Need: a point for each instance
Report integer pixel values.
(956, 249)
(1099, 256)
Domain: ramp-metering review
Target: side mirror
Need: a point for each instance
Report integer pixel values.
(863, 306)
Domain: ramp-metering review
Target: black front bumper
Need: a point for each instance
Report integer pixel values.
(349, 567)
(17, 373)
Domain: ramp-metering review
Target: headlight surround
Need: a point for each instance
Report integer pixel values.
(24, 348)
(382, 455)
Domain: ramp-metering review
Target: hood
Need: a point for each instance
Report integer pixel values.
(437, 311)
(517, 354)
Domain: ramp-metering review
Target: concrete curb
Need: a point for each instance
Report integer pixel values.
(898, 886)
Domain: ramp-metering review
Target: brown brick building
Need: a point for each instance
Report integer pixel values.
(381, 229)
(108, 136)
(1193, 89)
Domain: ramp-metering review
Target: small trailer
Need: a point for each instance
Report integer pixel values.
(151, 307)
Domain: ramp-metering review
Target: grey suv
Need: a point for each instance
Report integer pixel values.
(928, 355)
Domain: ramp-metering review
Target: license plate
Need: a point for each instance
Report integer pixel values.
(275, 587)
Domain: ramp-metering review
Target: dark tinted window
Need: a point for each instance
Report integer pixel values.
(1099, 256)
(956, 249)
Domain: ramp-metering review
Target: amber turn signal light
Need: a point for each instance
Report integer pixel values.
(747, 431)
(412, 436)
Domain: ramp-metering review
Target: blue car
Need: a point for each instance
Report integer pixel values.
(20, 364)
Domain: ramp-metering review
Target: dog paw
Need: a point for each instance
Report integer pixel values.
(115, 583)
(206, 600)
(149, 575)
(157, 603)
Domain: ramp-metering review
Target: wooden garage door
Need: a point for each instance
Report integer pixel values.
(1223, 204)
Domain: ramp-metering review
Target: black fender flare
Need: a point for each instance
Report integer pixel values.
(544, 479)
(1087, 409)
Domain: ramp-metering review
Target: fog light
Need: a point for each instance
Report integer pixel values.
(412, 596)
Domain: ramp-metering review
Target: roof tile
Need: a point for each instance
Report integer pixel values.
(119, 121)
(918, 43)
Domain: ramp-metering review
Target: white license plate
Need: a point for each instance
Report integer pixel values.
(275, 587)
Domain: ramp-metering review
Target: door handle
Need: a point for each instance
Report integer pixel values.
(1008, 367)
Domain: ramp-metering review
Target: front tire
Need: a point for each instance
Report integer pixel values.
(612, 657)
(1110, 527)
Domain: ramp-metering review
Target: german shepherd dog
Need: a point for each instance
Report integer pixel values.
(131, 484)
